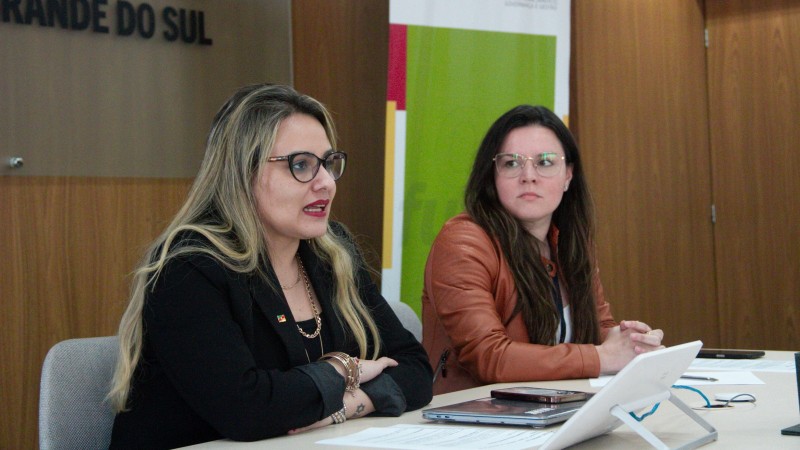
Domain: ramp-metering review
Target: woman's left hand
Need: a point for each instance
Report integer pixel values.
(372, 368)
(319, 424)
(644, 338)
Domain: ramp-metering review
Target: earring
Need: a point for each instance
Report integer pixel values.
(566, 186)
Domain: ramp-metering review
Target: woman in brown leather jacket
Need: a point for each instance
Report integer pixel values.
(512, 292)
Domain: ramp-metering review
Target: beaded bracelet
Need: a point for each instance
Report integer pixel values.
(341, 415)
(351, 367)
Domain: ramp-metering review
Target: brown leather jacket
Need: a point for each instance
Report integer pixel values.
(469, 292)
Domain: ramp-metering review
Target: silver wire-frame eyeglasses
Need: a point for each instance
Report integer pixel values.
(546, 164)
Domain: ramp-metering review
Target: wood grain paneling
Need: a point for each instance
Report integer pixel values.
(639, 110)
(754, 90)
(67, 247)
(69, 243)
(341, 58)
(640, 113)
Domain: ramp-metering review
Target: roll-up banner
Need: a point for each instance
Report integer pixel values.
(454, 67)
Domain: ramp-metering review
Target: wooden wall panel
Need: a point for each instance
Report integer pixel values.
(86, 104)
(640, 114)
(67, 247)
(754, 88)
(69, 243)
(341, 58)
(77, 103)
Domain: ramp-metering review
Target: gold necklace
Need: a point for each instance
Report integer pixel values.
(317, 318)
(321, 349)
(286, 288)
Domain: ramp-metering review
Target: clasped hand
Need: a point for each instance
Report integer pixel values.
(358, 404)
(372, 368)
(626, 341)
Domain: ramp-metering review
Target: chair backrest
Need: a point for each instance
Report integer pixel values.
(408, 317)
(76, 377)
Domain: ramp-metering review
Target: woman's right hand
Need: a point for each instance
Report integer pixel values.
(616, 351)
(626, 341)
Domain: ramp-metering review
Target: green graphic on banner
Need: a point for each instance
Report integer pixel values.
(458, 83)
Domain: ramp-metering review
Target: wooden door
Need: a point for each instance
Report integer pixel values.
(640, 116)
(67, 247)
(754, 92)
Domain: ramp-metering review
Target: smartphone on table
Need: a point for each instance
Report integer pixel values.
(541, 395)
(726, 353)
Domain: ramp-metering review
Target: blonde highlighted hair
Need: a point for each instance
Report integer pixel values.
(221, 207)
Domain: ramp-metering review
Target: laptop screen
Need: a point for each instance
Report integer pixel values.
(646, 380)
(797, 374)
(795, 430)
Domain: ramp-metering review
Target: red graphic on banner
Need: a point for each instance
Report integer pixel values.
(397, 65)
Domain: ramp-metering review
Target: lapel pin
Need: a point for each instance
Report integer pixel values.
(281, 318)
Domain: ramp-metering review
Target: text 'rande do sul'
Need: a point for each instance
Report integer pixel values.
(123, 18)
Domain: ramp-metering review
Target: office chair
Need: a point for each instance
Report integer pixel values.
(76, 376)
(408, 318)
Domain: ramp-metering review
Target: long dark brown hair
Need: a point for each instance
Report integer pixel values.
(574, 218)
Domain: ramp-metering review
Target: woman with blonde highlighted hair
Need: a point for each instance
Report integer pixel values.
(253, 315)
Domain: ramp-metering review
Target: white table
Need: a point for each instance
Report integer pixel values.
(746, 425)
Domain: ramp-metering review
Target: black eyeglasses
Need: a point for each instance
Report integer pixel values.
(305, 165)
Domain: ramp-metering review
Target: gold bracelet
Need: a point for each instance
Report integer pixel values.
(351, 367)
(343, 359)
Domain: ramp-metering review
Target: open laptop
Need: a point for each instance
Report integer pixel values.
(645, 381)
(795, 430)
(504, 412)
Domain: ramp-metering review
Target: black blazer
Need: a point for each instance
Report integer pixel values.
(218, 363)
